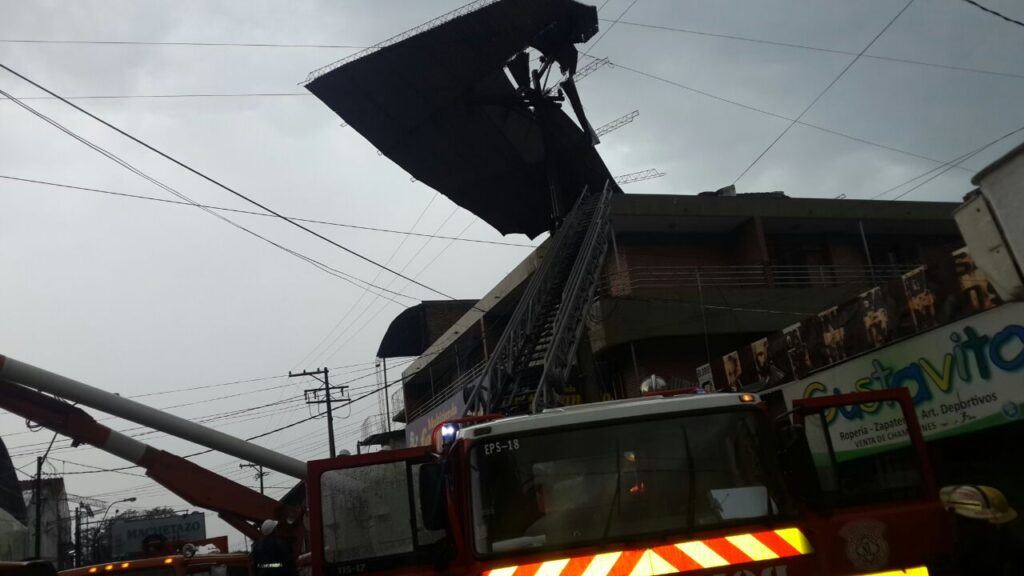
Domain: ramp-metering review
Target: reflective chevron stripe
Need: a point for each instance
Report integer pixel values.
(673, 558)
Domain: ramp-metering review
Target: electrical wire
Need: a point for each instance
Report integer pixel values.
(172, 96)
(362, 294)
(815, 48)
(253, 213)
(208, 418)
(124, 164)
(354, 426)
(940, 170)
(682, 86)
(218, 183)
(609, 28)
(994, 13)
(367, 308)
(201, 44)
(823, 92)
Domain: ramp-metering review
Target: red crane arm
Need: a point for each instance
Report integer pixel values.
(193, 483)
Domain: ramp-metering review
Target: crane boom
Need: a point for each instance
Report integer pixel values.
(237, 504)
(32, 377)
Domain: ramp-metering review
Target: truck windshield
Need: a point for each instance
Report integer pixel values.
(560, 488)
(372, 512)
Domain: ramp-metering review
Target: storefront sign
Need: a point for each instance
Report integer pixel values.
(127, 535)
(417, 432)
(962, 377)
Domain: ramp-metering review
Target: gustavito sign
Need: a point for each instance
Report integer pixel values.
(962, 377)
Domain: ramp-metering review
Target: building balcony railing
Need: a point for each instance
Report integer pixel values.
(397, 401)
(660, 278)
(442, 395)
(373, 424)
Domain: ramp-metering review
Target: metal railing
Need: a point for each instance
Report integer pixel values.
(507, 352)
(373, 424)
(442, 395)
(623, 282)
(576, 298)
(397, 401)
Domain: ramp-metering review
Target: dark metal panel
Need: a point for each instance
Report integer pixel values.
(440, 105)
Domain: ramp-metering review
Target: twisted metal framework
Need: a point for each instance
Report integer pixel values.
(638, 176)
(460, 11)
(617, 123)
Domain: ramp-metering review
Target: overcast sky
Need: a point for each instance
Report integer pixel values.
(138, 297)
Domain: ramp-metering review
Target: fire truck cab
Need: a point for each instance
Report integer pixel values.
(700, 484)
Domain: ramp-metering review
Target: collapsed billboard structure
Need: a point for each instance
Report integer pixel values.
(456, 104)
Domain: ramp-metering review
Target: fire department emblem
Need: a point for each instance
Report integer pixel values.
(866, 546)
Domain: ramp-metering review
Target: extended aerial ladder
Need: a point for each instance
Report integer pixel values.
(21, 393)
(531, 362)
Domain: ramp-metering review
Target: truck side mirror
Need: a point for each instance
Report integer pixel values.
(432, 496)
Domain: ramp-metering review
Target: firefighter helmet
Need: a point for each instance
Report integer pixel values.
(268, 526)
(978, 502)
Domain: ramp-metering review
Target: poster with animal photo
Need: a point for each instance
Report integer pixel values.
(976, 291)
(875, 318)
(920, 298)
(796, 350)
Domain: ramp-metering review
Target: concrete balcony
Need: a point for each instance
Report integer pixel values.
(638, 303)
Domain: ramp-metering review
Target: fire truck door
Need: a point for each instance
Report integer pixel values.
(873, 502)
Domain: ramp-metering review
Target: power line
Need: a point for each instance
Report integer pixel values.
(254, 213)
(613, 23)
(817, 49)
(356, 365)
(218, 183)
(148, 43)
(293, 424)
(940, 170)
(168, 96)
(368, 306)
(823, 92)
(207, 418)
(126, 165)
(362, 295)
(682, 86)
(994, 13)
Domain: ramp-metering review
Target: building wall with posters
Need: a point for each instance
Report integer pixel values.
(690, 279)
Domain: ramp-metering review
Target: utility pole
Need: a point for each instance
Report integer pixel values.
(39, 506)
(78, 537)
(387, 399)
(314, 397)
(260, 474)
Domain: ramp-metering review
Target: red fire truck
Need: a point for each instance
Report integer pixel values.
(173, 565)
(698, 484)
(695, 484)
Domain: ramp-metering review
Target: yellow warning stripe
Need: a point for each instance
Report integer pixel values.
(752, 547)
(650, 563)
(916, 571)
(795, 538)
(701, 554)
